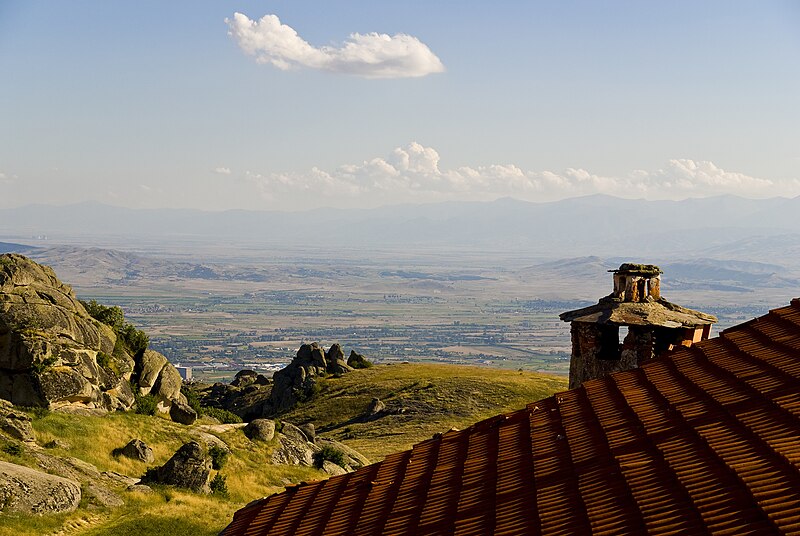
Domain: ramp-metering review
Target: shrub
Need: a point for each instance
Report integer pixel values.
(222, 415)
(13, 449)
(134, 340)
(192, 399)
(36, 412)
(219, 485)
(41, 365)
(111, 316)
(107, 362)
(146, 404)
(330, 454)
(219, 457)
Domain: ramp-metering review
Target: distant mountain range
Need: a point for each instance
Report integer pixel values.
(717, 227)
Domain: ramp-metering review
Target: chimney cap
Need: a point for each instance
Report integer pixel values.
(634, 268)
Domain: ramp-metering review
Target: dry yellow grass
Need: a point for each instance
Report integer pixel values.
(435, 398)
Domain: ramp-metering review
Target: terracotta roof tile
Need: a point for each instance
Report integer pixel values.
(705, 440)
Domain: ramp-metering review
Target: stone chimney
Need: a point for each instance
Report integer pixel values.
(652, 326)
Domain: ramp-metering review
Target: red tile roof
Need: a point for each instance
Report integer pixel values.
(705, 440)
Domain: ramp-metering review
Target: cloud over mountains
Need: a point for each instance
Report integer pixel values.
(371, 55)
(413, 174)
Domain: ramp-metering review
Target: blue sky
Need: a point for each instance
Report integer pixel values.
(154, 104)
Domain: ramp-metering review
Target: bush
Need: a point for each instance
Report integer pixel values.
(13, 449)
(111, 316)
(219, 457)
(222, 415)
(219, 485)
(146, 404)
(134, 340)
(41, 365)
(192, 399)
(330, 454)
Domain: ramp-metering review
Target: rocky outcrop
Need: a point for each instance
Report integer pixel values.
(245, 396)
(136, 449)
(358, 361)
(375, 410)
(295, 383)
(54, 354)
(188, 468)
(28, 491)
(295, 447)
(334, 360)
(15, 424)
(245, 378)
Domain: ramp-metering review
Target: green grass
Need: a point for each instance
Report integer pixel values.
(248, 475)
(435, 398)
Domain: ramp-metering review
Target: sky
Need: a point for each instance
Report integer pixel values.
(299, 105)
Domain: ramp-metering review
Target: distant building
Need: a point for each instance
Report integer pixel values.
(653, 324)
(185, 372)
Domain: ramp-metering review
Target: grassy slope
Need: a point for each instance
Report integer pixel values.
(435, 398)
(168, 510)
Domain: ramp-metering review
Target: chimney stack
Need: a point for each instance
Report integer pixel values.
(653, 326)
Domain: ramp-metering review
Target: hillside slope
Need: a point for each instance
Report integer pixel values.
(420, 400)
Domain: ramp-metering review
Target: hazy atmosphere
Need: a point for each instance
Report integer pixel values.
(410, 268)
(297, 105)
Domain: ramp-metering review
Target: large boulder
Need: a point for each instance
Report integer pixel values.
(148, 370)
(28, 491)
(260, 430)
(54, 354)
(188, 468)
(136, 449)
(245, 378)
(375, 409)
(358, 361)
(182, 413)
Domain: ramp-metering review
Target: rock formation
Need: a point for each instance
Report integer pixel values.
(188, 468)
(260, 430)
(54, 354)
(294, 447)
(334, 360)
(357, 361)
(28, 491)
(15, 424)
(295, 383)
(245, 396)
(182, 413)
(136, 449)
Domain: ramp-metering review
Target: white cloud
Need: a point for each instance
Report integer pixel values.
(222, 171)
(413, 174)
(7, 179)
(371, 55)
